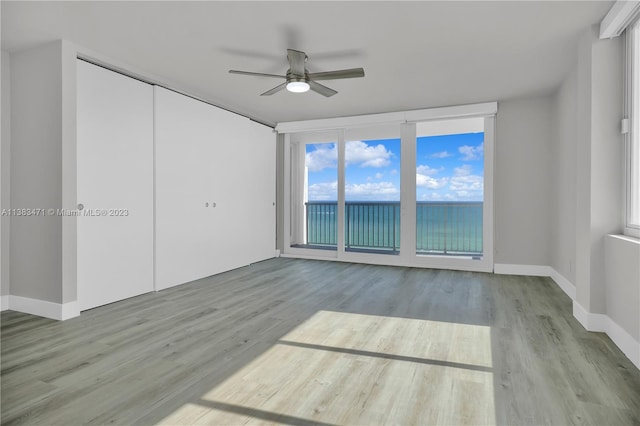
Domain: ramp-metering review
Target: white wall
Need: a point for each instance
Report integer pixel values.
(599, 163)
(39, 251)
(69, 176)
(559, 193)
(607, 158)
(583, 170)
(522, 181)
(587, 193)
(36, 180)
(5, 174)
(563, 177)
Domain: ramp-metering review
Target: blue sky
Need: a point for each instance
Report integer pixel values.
(449, 168)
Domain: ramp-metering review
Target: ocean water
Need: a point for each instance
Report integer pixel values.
(451, 228)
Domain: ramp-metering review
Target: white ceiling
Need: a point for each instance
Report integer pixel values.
(415, 54)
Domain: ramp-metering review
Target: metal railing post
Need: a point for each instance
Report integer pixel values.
(306, 205)
(394, 226)
(347, 218)
(445, 229)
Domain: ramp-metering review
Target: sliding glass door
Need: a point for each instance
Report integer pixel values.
(412, 193)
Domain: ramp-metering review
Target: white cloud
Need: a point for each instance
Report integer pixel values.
(357, 152)
(463, 170)
(426, 170)
(379, 175)
(466, 183)
(471, 152)
(442, 154)
(371, 191)
(463, 180)
(324, 191)
(393, 172)
(429, 182)
(322, 157)
(424, 179)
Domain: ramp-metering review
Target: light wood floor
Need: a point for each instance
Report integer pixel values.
(299, 342)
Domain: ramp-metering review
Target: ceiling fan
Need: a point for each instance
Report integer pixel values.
(299, 79)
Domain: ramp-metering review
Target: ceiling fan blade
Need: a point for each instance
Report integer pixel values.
(319, 88)
(335, 75)
(275, 89)
(255, 74)
(297, 60)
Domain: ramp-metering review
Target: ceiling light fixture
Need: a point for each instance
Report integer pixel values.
(298, 86)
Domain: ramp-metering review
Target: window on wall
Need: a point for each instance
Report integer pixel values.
(632, 221)
(410, 188)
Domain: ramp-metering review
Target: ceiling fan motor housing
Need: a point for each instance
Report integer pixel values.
(298, 78)
(295, 77)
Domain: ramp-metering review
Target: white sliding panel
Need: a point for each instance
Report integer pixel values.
(115, 186)
(261, 238)
(203, 179)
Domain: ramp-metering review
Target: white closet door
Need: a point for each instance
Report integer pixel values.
(202, 179)
(262, 191)
(115, 185)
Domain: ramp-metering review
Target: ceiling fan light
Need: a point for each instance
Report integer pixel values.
(298, 86)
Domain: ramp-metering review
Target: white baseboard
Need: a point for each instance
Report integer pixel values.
(43, 308)
(564, 284)
(624, 341)
(591, 322)
(4, 303)
(603, 324)
(537, 271)
(529, 270)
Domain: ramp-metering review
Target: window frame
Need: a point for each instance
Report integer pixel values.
(632, 135)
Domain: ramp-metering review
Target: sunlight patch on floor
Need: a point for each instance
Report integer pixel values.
(453, 342)
(344, 368)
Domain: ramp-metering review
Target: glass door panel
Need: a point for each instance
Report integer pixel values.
(321, 195)
(314, 191)
(372, 190)
(450, 187)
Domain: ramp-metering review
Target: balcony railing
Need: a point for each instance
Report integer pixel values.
(322, 223)
(441, 228)
(372, 225)
(449, 228)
